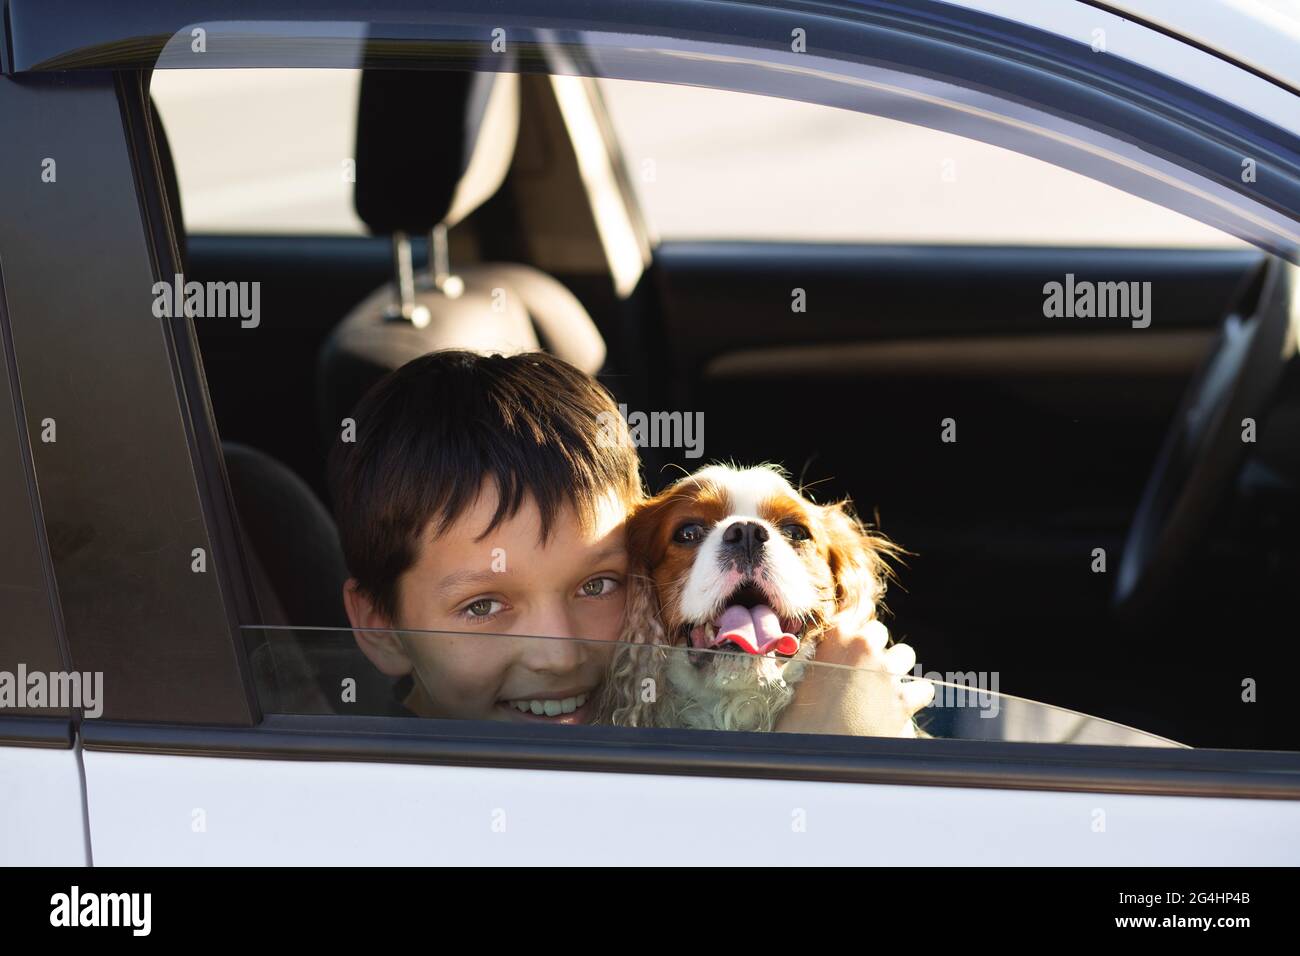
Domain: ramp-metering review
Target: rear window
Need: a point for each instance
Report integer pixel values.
(263, 151)
(744, 167)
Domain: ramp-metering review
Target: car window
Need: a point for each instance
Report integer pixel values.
(735, 166)
(262, 151)
(269, 152)
(571, 682)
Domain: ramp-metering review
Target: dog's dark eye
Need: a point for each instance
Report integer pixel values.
(796, 532)
(689, 533)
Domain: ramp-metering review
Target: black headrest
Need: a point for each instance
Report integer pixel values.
(410, 147)
(418, 134)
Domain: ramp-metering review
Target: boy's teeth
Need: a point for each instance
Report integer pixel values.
(549, 708)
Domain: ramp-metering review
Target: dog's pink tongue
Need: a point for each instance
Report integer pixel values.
(756, 630)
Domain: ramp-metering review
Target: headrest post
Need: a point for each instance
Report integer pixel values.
(405, 309)
(440, 264)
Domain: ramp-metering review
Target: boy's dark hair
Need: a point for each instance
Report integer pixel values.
(429, 435)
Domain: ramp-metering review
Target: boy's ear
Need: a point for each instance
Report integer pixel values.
(373, 633)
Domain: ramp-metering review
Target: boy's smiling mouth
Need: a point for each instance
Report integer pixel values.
(566, 709)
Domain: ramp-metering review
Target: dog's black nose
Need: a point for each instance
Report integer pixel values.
(745, 539)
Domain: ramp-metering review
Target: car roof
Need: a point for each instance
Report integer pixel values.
(1242, 52)
(1263, 35)
(1239, 51)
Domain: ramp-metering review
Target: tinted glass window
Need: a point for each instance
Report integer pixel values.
(564, 681)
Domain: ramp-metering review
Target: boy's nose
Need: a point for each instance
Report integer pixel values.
(551, 644)
(554, 655)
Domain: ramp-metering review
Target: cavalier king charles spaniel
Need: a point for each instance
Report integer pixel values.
(746, 575)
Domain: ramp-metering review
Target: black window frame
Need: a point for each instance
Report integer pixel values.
(119, 491)
(31, 624)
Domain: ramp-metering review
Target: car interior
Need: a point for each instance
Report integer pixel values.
(1058, 429)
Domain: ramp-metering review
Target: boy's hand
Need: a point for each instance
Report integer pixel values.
(871, 700)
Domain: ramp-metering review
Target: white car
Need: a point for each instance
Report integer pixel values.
(854, 237)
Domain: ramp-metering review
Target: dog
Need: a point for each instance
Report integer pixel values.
(746, 575)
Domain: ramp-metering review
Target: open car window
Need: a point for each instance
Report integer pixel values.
(890, 300)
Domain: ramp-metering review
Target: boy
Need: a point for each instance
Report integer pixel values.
(481, 513)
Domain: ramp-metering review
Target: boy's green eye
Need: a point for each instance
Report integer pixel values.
(480, 608)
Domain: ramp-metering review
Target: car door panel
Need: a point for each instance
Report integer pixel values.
(42, 814)
(177, 810)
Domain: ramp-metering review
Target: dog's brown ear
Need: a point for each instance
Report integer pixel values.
(646, 540)
(858, 559)
(644, 544)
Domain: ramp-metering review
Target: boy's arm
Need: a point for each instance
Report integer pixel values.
(871, 700)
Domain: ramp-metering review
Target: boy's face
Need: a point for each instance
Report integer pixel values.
(508, 583)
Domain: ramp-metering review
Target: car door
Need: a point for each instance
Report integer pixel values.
(186, 764)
